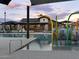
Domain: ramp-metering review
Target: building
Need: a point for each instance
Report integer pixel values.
(35, 24)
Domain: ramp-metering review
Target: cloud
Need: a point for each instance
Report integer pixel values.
(61, 9)
(45, 8)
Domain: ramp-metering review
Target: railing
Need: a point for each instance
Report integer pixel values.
(19, 40)
(21, 34)
(15, 45)
(42, 39)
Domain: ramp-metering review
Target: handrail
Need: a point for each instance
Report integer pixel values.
(25, 45)
(10, 46)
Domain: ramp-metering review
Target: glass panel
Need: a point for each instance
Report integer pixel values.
(61, 35)
(42, 41)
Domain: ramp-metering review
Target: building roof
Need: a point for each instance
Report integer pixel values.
(31, 20)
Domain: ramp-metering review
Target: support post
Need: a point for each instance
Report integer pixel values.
(28, 24)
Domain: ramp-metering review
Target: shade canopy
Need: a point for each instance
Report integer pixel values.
(35, 2)
(5, 1)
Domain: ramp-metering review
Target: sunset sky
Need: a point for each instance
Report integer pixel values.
(61, 9)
